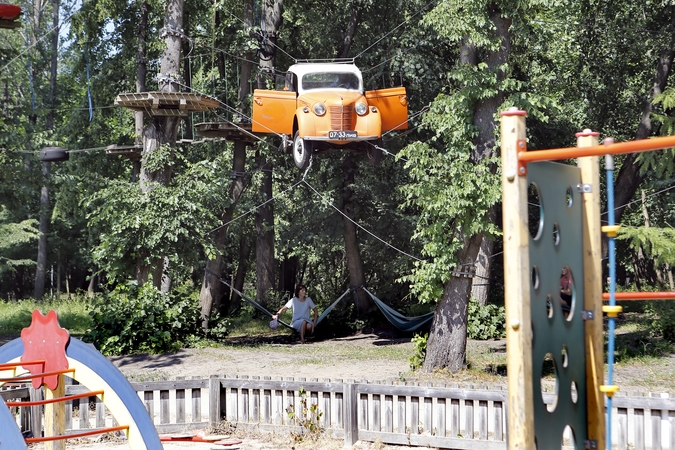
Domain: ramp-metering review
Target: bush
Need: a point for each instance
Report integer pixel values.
(133, 319)
(419, 350)
(661, 315)
(486, 322)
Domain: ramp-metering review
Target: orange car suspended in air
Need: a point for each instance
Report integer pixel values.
(324, 106)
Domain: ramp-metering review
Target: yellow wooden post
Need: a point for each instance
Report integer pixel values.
(590, 175)
(55, 415)
(516, 283)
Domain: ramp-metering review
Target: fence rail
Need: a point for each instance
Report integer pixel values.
(391, 412)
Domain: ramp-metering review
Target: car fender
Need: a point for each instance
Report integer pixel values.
(370, 124)
(306, 123)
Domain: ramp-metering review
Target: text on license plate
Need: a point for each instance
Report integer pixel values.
(343, 134)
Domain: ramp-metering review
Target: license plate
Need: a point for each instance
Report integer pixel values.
(342, 135)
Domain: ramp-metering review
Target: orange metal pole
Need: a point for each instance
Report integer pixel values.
(55, 400)
(78, 435)
(20, 363)
(640, 296)
(641, 145)
(37, 375)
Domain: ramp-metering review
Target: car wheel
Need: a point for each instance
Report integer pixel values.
(302, 151)
(374, 154)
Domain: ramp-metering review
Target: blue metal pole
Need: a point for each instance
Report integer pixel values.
(609, 164)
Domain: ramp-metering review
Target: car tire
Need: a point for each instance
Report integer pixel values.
(374, 154)
(302, 151)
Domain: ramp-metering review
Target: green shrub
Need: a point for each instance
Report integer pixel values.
(486, 322)
(419, 350)
(133, 319)
(661, 315)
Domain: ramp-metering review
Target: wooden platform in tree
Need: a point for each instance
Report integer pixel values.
(226, 130)
(132, 152)
(166, 103)
(5, 23)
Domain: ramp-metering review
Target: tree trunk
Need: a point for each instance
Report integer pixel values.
(211, 286)
(357, 276)
(629, 179)
(446, 346)
(210, 294)
(480, 289)
(264, 227)
(160, 135)
(141, 77)
(41, 269)
(350, 32)
(242, 268)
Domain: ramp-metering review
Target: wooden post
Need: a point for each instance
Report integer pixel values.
(55, 415)
(517, 283)
(595, 402)
(215, 413)
(351, 411)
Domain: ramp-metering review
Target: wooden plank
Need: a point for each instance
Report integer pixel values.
(454, 418)
(284, 385)
(516, 283)
(414, 415)
(326, 410)
(278, 412)
(401, 413)
(363, 412)
(100, 413)
(266, 407)
(593, 282)
(388, 413)
(671, 423)
(441, 417)
(482, 419)
(350, 414)
(434, 392)
(376, 417)
(426, 419)
(214, 402)
(164, 407)
(338, 410)
(656, 429)
(35, 412)
(149, 402)
(622, 428)
(180, 404)
(196, 382)
(498, 408)
(84, 413)
(639, 417)
(469, 429)
(425, 440)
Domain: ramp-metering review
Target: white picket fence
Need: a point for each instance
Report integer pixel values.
(389, 412)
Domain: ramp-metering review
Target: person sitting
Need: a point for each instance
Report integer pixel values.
(566, 290)
(301, 306)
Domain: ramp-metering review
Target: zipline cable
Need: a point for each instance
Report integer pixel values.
(358, 225)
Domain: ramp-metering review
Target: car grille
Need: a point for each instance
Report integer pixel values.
(340, 118)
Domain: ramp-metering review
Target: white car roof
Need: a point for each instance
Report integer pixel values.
(305, 68)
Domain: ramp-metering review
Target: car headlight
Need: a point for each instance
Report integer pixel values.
(361, 109)
(319, 109)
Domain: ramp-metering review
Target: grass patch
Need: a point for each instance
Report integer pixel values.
(73, 314)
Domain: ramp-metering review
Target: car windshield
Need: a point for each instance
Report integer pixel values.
(326, 80)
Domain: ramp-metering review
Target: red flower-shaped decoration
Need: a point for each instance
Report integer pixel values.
(45, 340)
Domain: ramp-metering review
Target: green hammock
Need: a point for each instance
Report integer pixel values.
(262, 309)
(403, 323)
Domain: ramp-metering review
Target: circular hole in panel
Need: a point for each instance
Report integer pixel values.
(549, 390)
(569, 197)
(567, 292)
(535, 277)
(549, 306)
(574, 393)
(556, 234)
(535, 211)
(568, 440)
(565, 357)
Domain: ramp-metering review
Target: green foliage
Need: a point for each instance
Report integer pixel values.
(133, 319)
(308, 417)
(661, 315)
(14, 235)
(657, 243)
(486, 322)
(419, 350)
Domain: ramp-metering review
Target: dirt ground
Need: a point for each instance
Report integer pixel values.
(285, 357)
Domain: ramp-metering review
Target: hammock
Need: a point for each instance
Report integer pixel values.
(262, 309)
(403, 323)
